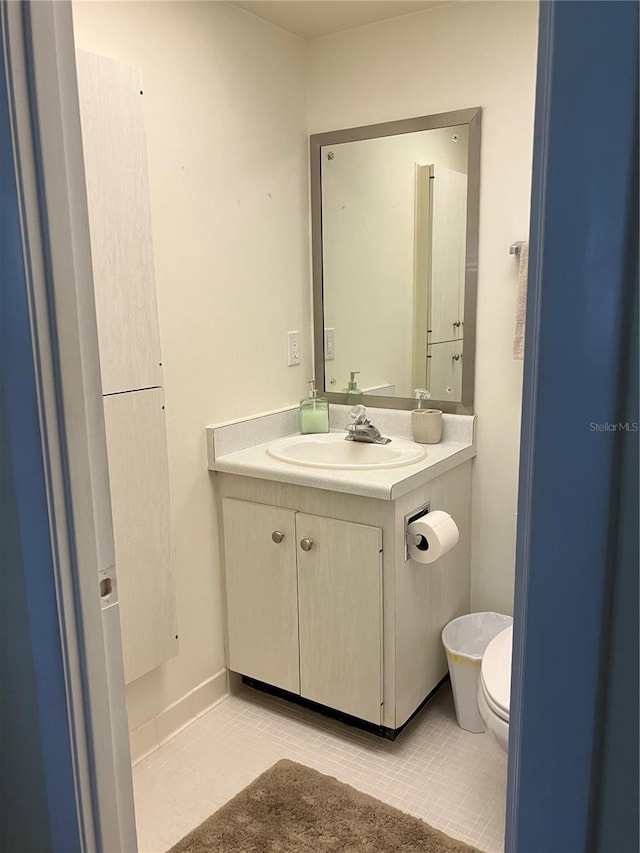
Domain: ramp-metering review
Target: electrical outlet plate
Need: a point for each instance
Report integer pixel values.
(329, 344)
(293, 348)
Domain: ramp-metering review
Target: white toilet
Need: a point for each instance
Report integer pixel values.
(494, 687)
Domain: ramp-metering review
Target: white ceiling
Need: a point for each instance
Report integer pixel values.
(314, 18)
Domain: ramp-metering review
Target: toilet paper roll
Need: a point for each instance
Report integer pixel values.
(431, 536)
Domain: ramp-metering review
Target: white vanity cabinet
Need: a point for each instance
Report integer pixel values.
(304, 605)
(322, 602)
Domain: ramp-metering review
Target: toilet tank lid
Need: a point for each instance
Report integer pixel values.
(496, 669)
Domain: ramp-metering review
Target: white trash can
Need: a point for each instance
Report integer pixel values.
(465, 640)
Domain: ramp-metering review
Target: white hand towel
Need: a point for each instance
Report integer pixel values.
(521, 302)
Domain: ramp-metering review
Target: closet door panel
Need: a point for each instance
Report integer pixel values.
(139, 480)
(449, 235)
(444, 370)
(115, 155)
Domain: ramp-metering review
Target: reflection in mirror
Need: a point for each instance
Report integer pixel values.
(393, 260)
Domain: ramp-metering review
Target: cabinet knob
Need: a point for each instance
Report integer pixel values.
(306, 544)
(457, 324)
(277, 536)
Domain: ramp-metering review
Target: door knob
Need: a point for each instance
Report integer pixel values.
(277, 536)
(306, 544)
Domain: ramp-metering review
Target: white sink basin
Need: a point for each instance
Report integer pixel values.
(332, 451)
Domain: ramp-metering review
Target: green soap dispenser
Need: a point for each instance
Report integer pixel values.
(352, 388)
(314, 412)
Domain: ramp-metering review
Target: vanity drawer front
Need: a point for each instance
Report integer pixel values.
(262, 605)
(340, 607)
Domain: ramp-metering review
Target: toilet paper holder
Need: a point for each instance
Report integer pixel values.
(408, 519)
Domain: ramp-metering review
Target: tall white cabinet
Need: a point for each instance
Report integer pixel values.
(440, 261)
(445, 334)
(116, 171)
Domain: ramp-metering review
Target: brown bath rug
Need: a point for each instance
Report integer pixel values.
(293, 809)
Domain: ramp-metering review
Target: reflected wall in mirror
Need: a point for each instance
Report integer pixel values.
(395, 247)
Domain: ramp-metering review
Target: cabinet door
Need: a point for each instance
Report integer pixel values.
(262, 597)
(115, 159)
(340, 611)
(139, 482)
(444, 370)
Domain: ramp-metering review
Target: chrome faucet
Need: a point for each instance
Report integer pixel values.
(361, 428)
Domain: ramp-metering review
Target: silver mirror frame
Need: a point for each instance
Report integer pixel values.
(470, 117)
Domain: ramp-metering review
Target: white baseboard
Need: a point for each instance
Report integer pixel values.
(158, 730)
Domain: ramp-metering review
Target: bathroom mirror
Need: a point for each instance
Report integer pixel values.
(395, 246)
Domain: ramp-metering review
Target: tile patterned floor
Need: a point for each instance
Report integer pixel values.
(450, 778)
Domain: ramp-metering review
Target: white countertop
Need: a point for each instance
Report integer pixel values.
(382, 483)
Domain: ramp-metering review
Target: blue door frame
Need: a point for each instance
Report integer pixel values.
(575, 568)
(580, 317)
(38, 807)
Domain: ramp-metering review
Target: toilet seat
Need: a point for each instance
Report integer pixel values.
(494, 688)
(495, 674)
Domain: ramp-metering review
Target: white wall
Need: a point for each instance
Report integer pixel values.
(224, 97)
(456, 56)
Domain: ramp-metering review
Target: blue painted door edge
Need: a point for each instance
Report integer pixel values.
(29, 561)
(616, 790)
(582, 234)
